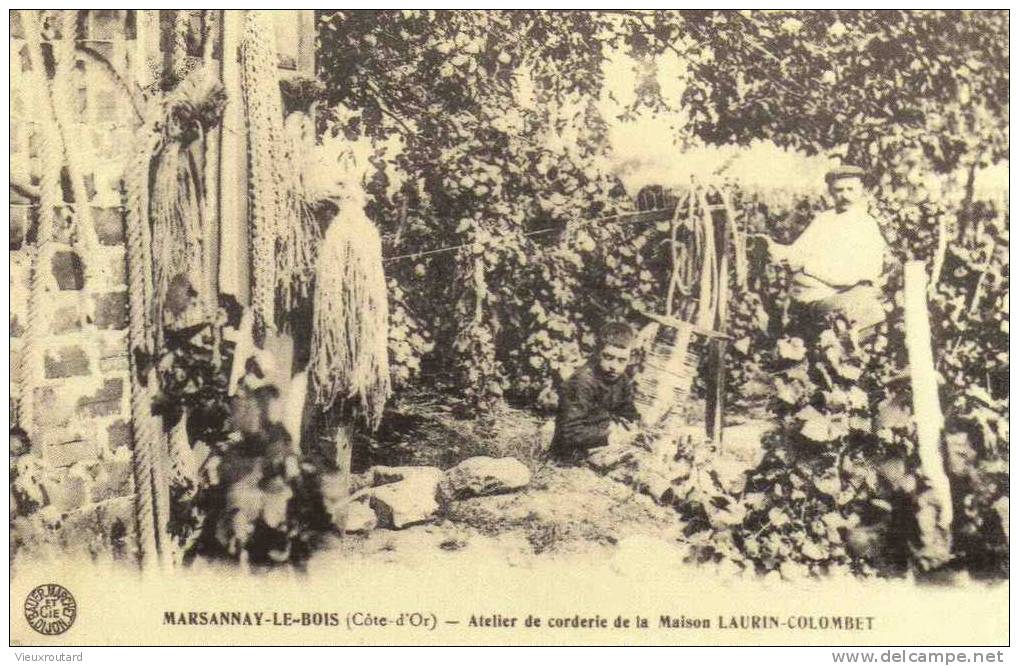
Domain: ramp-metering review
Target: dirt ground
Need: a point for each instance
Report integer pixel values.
(565, 512)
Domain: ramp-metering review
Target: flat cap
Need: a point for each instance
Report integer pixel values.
(844, 171)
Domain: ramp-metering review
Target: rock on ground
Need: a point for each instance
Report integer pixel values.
(482, 475)
(380, 475)
(360, 518)
(411, 501)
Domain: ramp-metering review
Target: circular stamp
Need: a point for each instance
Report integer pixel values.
(50, 609)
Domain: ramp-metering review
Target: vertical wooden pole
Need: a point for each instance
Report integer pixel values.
(210, 178)
(715, 406)
(716, 390)
(928, 416)
(233, 176)
(344, 452)
(306, 41)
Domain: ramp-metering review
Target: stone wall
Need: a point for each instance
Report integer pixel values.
(71, 479)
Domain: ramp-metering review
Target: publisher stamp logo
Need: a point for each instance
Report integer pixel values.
(50, 609)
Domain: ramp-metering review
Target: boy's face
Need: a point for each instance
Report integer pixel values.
(613, 361)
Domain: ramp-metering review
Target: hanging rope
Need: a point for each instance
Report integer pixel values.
(147, 431)
(350, 355)
(177, 219)
(283, 232)
(63, 100)
(704, 249)
(257, 70)
(299, 236)
(28, 372)
(739, 240)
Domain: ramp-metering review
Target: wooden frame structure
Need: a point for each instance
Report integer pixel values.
(707, 320)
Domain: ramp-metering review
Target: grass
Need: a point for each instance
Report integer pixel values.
(424, 429)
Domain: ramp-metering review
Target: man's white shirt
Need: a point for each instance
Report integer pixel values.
(836, 250)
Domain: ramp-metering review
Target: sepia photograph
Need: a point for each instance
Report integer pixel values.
(510, 327)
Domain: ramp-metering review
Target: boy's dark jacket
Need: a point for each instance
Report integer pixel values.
(588, 404)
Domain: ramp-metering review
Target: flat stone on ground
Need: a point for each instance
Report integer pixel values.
(404, 503)
(360, 518)
(483, 475)
(380, 475)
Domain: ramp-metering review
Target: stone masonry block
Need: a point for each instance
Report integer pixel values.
(111, 270)
(118, 436)
(70, 361)
(69, 453)
(112, 477)
(65, 319)
(116, 269)
(109, 224)
(105, 402)
(113, 347)
(111, 310)
(68, 270)
(63, 224)
(53, 407)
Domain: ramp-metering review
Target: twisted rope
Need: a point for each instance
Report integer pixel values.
(258, 73)
(284, 232)
(29, 361)
(62, 100)
(145, 428)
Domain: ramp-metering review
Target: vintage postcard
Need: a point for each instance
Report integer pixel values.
(509, 327)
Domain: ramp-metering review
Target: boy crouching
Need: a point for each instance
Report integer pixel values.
(596, 403)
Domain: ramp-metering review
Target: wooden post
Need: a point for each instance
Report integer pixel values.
(306, 41)
(210, 172)
(927, 413)
(716, 390)
(344, 442)
(233, 176)
(716, 356)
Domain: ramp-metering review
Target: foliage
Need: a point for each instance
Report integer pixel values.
(874, 81)
(193, 371)
(409, 339)
(840, 475)
(259, 503)
(253, 499)
(970, 306)
(485, 131)
(487, 138)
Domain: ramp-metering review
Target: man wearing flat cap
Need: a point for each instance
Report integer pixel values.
(837, 261)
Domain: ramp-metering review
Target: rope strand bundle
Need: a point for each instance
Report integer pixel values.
(350, 354)
(284, 233)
